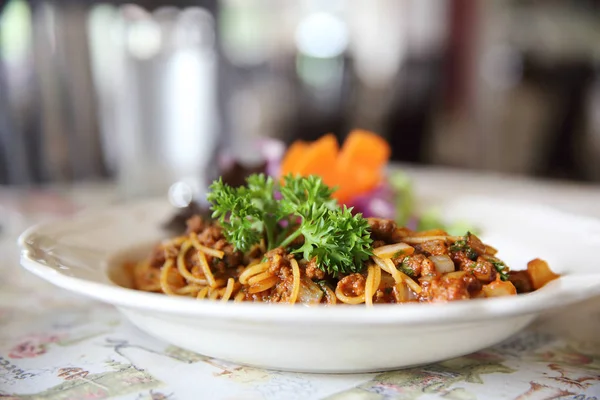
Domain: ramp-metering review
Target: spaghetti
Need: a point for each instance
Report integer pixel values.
(405, 267)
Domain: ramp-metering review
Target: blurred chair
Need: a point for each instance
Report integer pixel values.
(63, 116)
(52, 132)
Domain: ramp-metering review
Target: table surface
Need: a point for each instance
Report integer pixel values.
(54, 345)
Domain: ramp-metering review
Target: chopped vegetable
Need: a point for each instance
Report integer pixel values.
(394, 250)
(292, 157)
(365, 148)
(315, 158)
(355, 169)
(443, 263)
(310, 292)
(540, 273)
(499, 288)
(378, 202)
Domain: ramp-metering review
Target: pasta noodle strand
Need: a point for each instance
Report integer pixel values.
(181, 267)
(296, 284)
(369, 293)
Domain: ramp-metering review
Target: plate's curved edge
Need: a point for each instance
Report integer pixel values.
(155, 203)
(555, 295)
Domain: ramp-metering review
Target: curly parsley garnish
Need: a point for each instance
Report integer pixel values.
(340, 241)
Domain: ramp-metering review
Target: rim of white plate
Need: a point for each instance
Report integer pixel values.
(568, 289)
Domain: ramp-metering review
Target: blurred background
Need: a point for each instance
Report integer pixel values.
(148, 93)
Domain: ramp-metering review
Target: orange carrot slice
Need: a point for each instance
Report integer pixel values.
(320, 159)
(365, 149)
(345, 189)
(356, 169)
(366, 180)
(292, 158)
(355, 181)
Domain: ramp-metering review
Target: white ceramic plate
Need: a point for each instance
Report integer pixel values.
(83, 255)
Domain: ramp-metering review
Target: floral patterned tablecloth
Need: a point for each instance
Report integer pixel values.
(54, 345)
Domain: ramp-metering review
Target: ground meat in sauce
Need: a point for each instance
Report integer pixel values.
(149, 277)
(261, 296)
(378, 243)
(382, 229)
(352, 285)
(477, 268)
(473, 284)
(158, 257)
(476, 244)
(278, 259)
(313, 271)
(385, 292)
(281, 291)
(482, 269)
(385, 295)
(521, 281)
(232, 258)
(280, 265)
(432, 248)
(462, 261)
(445, 289)
(416, 265)
(195, 224)
(212, 236)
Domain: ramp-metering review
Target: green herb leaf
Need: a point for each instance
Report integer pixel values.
(405, 267)
(501, 268)
(240, 217)
(340, 241)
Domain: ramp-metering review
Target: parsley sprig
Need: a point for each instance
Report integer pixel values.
(279, 214)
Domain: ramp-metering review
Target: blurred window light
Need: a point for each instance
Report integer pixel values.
(181, 194)
(144, 39)
(190, 122)
(321, 35)
(329, 6)
(245, 30)
(195, 28)
(379, 39)
(15, 30)
(320, 72)
(133, 11)
(166, 14)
